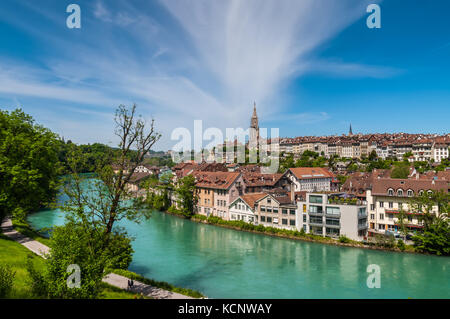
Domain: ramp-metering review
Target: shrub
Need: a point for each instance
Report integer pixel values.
(344, 239)
(401, 245)
(260, 228)
(6, 280)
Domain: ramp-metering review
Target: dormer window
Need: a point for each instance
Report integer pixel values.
(421, 192)
(410, 193)
(400, 192)
(390, 192)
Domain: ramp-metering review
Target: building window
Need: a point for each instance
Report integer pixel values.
(292, 211)
(263, 208)
(381, 204)
(269, 219)
(315, 220)
(332, 231)
(391, 204)
(400, 192)
(275, 210)
(372, 216)
(332, 221)
(315, 199)
(381, 216)
(263, 218)
(410, 193)
(292, 222)
(372, 207)
(284, 221)
(315, 209)
(391, 192)
(304, 218)
(284, 211)
(333, 210)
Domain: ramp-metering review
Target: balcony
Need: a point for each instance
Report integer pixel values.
(362, 226)
(315, 213)
(316, 223)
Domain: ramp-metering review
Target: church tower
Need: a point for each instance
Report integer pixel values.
(254, 128)
(350, 132)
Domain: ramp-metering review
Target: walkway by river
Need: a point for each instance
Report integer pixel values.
(114, 280)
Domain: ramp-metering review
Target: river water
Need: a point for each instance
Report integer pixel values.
(224, 263)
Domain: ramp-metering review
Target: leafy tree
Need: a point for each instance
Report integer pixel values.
(76, 244)
(436, 232)
(186, 193)
(373, 156)
(28, 163)
(400, 171)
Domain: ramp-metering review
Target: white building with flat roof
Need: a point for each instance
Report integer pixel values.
(328, 215)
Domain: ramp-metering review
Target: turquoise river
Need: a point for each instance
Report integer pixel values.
(224, 263)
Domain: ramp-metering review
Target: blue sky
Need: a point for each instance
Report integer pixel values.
(312, 66)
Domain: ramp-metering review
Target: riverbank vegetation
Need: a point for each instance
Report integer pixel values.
(381, 242)
(434, 238)
(158, 284)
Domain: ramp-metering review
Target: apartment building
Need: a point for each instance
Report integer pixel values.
(310, 179)
(258, 183)
(243, 208)
(326, 214)
(147, 169)
(276, 211)
(216, 190)
(440, 150)
(388, 197)
(135, 180)
(421, 150)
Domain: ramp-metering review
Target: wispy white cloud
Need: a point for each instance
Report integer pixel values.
(211, 64)
(352, 70)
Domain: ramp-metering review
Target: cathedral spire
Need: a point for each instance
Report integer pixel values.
(350, 132)
(254, 128)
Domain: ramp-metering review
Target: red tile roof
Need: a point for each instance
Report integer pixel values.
(215, 180)
(250, 199)
(311, 172)
(382, 185)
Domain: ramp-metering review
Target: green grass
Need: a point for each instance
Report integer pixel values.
(15, 255)
(158, 284)
(111, 292)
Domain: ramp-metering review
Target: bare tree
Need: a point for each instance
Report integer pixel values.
(103, 201)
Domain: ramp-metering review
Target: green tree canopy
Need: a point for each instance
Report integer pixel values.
(28, 163)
